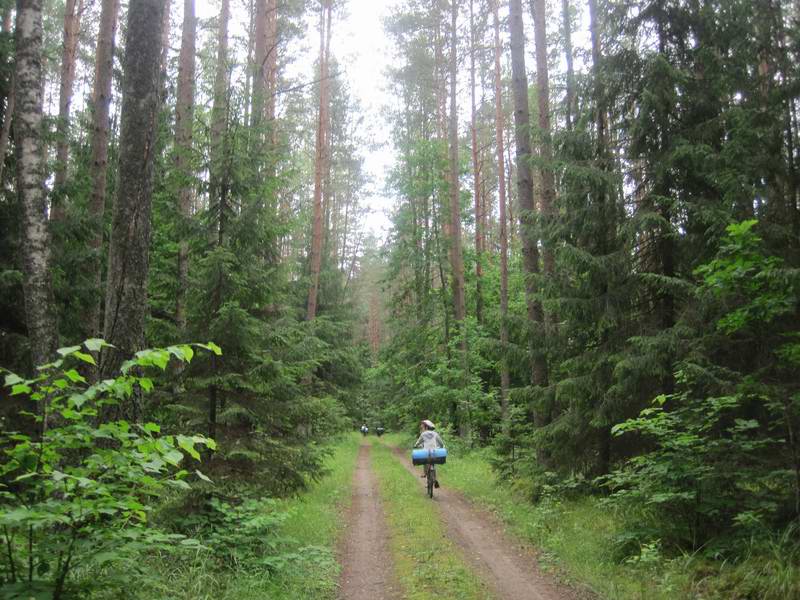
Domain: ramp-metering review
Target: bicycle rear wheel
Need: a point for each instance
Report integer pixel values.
(431, 479)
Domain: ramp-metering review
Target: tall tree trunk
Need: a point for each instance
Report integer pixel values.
(530, 248)
(217, 181)
(219, 110)
(543, 413)
(7, 100)
(259, 68)
(598, 88)
(129, 247)
(72, 24)
(36, 283)
(5, 131)
(456, 255)
(476, 173)
(321, 153)
(184, 122)
(571, 99)
(505, 378)
(547, 201)
(164, 60)
(98, 168)
(271, 75)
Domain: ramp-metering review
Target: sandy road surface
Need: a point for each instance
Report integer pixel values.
(367, 572)
(507, 566)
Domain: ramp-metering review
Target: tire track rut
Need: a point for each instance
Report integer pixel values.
(507, 566)
(367, 572)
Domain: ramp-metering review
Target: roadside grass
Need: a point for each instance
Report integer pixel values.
(575, 539)
(306, 569)
(427, 563)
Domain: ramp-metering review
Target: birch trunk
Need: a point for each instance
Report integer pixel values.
(129, 247)
(36, 283)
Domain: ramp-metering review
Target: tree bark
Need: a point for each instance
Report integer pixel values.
(219, 113)
(72, 24)
(598, 89)
(259, 68)
(530, 248)
(184, 122)
(456, 255)
(36, 283)
(165, 26)
(8, 102)
(571, 99)
(5, 132)
(321, 153)
(98, 168)
(476, 173)
(129, 247)
(548, 190)
(505, 378)
(271, 71)
(218, 183)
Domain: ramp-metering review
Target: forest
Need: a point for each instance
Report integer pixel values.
(589, 280)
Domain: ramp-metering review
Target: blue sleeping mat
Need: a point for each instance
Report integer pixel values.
(420, 456)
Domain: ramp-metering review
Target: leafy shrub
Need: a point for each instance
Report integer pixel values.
(78, 491)
(723, 461)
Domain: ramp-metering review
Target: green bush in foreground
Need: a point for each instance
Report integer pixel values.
(78, 491)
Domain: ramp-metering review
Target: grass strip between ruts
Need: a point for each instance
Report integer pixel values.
(427, 563)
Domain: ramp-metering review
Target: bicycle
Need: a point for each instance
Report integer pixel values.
(430, 478)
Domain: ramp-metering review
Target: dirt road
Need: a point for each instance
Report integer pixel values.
(507, 567)
(367, 572)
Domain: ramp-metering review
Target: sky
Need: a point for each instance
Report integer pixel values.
(359, 44)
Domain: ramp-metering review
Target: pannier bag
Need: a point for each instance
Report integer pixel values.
(421, 456)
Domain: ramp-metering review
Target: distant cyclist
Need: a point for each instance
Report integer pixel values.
(364, 429)
(429, 439)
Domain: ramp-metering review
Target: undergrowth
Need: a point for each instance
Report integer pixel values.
(256, 548)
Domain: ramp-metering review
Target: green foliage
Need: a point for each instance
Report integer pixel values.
(77, 489)
(722, 466)
(755, 288)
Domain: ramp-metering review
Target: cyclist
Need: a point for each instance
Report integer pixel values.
(364, 429)
(429, 439)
